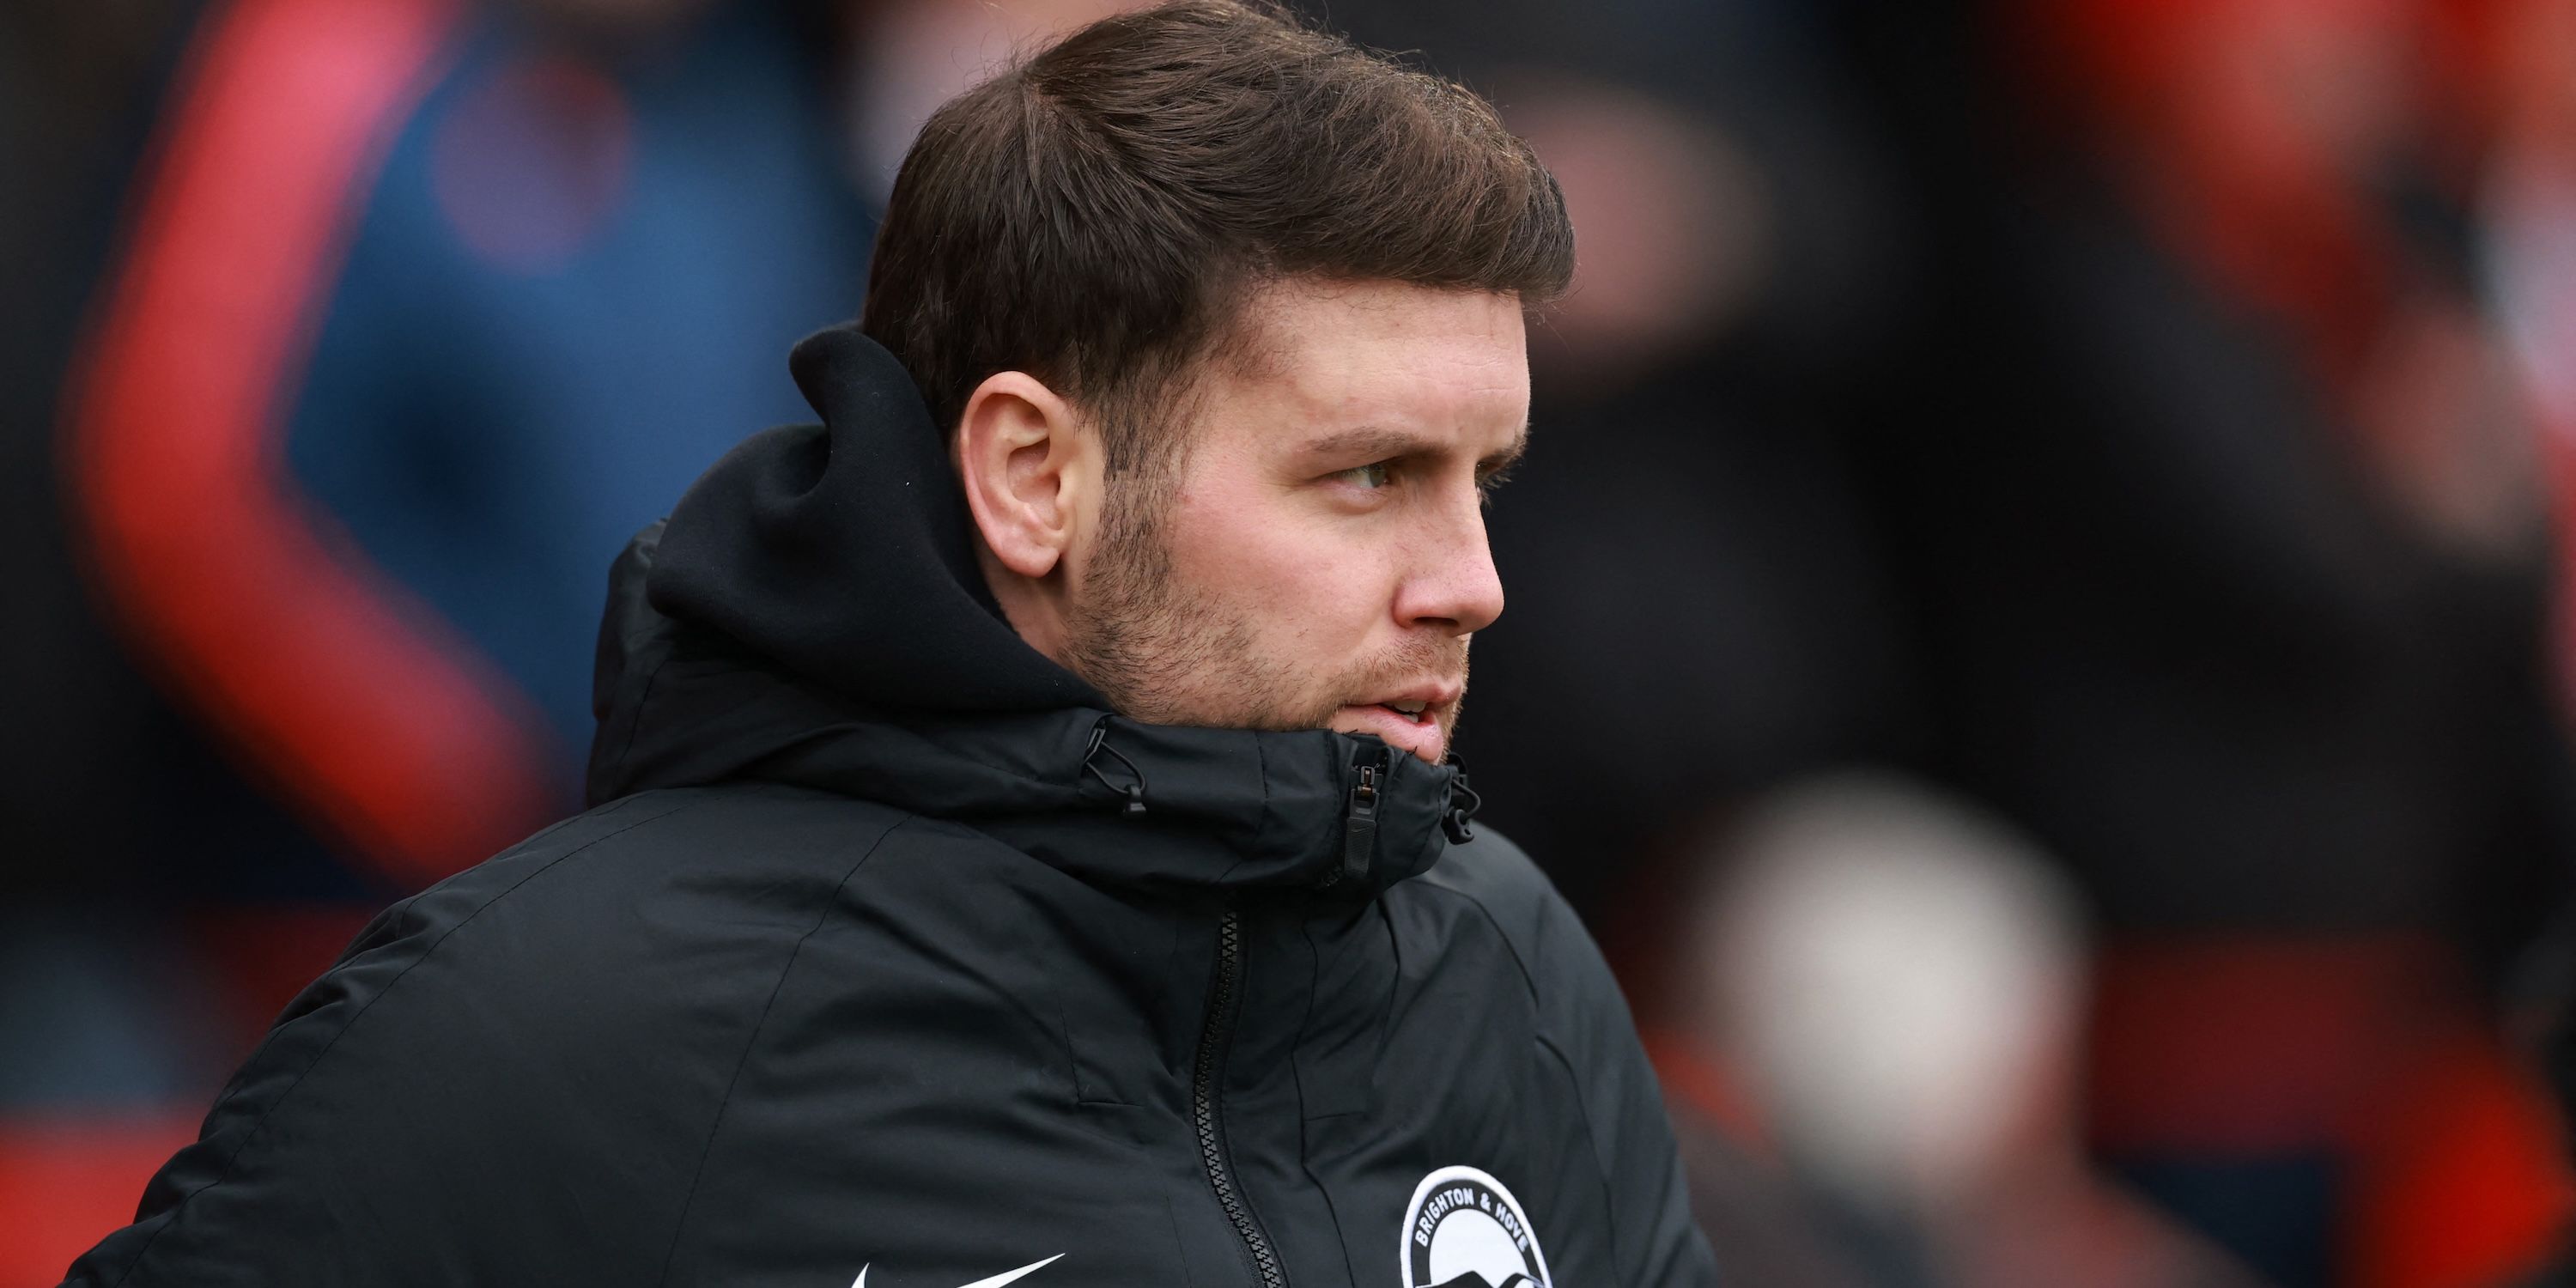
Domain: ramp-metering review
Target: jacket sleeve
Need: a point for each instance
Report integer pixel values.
(1657, 1245)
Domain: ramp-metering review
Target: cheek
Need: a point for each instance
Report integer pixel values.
(1305, 582)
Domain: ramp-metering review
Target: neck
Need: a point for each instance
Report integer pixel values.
(1034, 608)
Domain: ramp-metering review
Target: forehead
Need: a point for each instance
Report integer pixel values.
(1380, 353)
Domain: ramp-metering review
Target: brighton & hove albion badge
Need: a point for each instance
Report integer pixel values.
(1465, 1230)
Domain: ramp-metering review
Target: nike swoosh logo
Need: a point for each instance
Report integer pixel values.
(995, 1282)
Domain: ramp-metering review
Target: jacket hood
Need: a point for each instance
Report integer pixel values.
(811, 614)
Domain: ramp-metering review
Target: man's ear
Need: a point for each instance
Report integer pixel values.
(1031, 472)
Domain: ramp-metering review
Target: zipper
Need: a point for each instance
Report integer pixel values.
(1225, 1000)
(1359, 826)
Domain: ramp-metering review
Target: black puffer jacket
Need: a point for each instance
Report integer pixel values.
(889, 956)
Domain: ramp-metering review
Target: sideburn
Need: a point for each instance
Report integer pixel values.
(1129, 633)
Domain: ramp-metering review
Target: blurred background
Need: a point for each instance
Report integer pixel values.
(2039, 640)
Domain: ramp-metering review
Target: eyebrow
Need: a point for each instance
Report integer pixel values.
(1377, 443)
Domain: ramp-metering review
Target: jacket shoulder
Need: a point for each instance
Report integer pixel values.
(534, 1051)
(1506, 888)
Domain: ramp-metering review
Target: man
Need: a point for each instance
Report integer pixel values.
(1027, 851)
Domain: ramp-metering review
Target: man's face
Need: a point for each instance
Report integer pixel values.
(1317, 557)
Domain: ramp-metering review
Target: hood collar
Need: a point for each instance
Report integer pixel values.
(842, 551)
(811, 614)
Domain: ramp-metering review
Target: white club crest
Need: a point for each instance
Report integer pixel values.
(1464, 1229)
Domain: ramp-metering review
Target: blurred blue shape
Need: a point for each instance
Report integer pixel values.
(574, 287)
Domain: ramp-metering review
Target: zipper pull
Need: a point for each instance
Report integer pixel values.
(1359, 828)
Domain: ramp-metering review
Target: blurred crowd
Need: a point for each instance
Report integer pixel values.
(2038, 640)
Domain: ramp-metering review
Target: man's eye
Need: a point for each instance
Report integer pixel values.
(1371, 477)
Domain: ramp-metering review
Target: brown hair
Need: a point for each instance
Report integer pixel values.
(1097, 214)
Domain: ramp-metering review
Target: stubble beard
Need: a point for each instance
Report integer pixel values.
(1164, 655)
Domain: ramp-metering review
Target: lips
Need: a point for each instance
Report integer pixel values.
(1423, 738)
(1415, 719)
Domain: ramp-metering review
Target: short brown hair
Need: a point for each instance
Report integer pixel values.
(1096, 215)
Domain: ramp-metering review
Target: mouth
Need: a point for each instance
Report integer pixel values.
(1415, 721)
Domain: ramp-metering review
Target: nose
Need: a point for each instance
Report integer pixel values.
(1454, 588)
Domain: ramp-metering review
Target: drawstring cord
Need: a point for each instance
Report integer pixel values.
(1134, 792)
(1360, 819)
(1463, 804)
(1360, 823)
